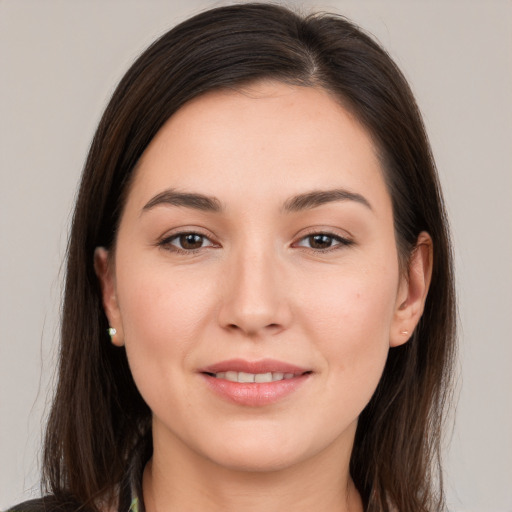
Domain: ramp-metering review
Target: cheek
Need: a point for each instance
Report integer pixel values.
(355, 302)
(159, 306)
(350, 316)
(163, 315)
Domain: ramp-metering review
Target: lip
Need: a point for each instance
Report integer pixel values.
(261, 366)
(254, 394)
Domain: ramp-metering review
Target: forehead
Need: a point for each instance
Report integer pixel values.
(263, 141)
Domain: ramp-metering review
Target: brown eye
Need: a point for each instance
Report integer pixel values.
(323, 241)
(190, 241)
(186, 242)
(320, 241)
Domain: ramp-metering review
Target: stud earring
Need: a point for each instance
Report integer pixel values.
(111, 332)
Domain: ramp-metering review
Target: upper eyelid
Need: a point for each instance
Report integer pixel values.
(324, 233)
(329, 231)
(178, 235)
(186, 231)
(170, 238)
(342, 240)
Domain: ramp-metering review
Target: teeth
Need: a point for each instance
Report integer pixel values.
(254, 377)
(263, 377)
(246, 377)
(232, 376)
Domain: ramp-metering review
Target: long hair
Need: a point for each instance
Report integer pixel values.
(99, 420)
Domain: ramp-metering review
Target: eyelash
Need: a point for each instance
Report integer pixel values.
(341, 241)
(167, 244)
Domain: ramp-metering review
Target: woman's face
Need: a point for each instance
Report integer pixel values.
(257, 243)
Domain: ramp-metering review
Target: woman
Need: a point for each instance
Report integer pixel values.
(259, 303)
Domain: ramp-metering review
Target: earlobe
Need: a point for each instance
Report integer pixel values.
(105, 273)
(413, 291)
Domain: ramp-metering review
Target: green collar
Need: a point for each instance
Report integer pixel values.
(134, 507)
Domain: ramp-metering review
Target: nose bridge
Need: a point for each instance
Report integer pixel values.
(254, 297)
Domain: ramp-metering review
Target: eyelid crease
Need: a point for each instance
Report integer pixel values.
(325, 230)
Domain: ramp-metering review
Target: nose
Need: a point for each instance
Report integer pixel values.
(254, 296)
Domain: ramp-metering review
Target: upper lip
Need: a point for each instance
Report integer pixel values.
(261, 366)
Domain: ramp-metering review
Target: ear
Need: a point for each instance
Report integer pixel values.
(412, 292)
(106, 276)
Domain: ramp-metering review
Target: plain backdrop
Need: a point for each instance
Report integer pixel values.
(59, 63)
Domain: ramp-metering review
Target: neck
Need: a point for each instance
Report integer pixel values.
(186, 481)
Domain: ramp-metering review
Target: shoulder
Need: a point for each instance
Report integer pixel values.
(37, 505)
(48, 504)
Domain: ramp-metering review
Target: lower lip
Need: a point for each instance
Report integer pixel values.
(255, 394)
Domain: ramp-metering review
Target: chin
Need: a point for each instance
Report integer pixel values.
(268, 453)
(258, 461)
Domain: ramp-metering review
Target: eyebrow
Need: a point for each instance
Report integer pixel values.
(296, 203)
(188, 199)
(320, 197)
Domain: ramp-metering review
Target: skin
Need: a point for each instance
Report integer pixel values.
(258, 287)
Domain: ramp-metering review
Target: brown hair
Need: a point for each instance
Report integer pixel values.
(98, 419)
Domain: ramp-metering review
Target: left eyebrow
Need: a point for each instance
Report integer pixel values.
(187, 199)
(320, 197)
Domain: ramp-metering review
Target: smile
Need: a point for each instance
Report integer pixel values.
(254, 384)
(245, 377)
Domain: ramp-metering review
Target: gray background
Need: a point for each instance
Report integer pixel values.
(59, 62)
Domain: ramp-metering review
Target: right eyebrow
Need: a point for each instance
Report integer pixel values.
(187, 199)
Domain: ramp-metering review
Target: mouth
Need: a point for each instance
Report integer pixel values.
(257, 378)
(254, 383)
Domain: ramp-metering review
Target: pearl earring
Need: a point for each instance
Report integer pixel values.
(112, 332)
